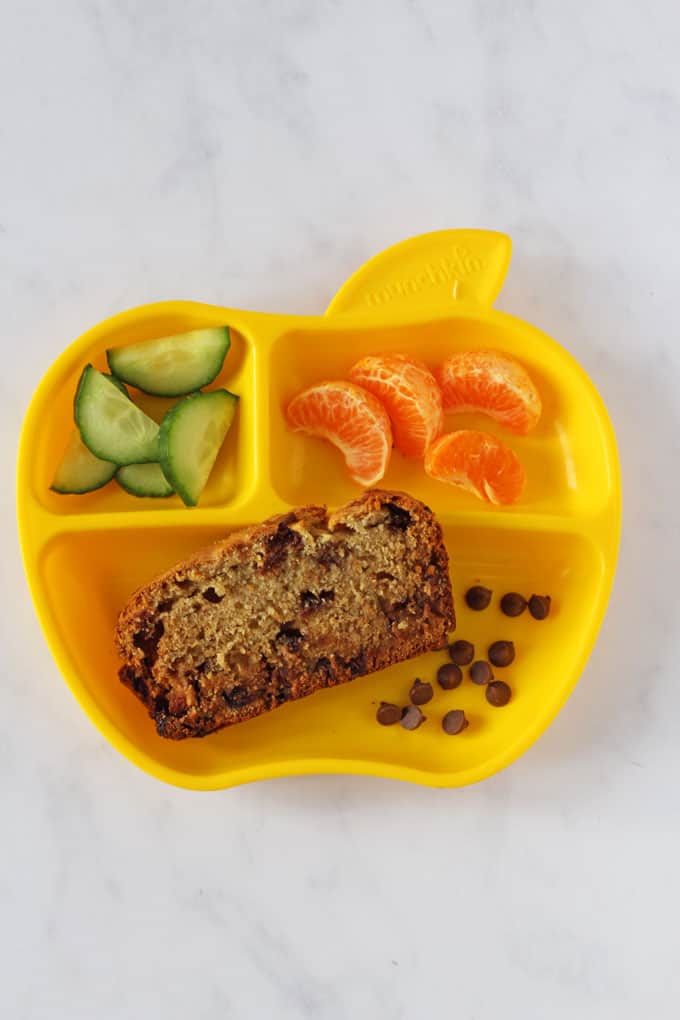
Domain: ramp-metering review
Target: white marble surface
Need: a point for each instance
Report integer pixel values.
(254, 153)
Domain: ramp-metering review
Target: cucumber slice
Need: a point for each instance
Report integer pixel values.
(117, 383)
(80, 471)
(172, 365)
(111, 426)
(192, 433)
(144, 480)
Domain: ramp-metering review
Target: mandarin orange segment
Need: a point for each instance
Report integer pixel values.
(352, 419)
(479, 463)
(494, 384)
(410, 394)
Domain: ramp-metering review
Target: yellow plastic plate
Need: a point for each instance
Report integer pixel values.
(429, 296)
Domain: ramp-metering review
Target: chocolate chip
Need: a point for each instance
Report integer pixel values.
(239, 697)
(498, 693)
(539, 606)
(276, 545)
(454, 722)
(462, 652)
(210, 595)
(449, 676)
(421, 692)
(290, 636)
(399, 519)
(147, 642)
(283, 688)
(412, 717)
(481, 672)
(513, 604)
(388, 714)
(394, 611)
(478, 597)
(501, 653)
(312, 600)
(357, 664)
(323, 665)
(161, 705)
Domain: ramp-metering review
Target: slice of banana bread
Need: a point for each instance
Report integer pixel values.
(301, 602)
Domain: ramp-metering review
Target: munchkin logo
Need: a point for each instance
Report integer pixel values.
(446, 271)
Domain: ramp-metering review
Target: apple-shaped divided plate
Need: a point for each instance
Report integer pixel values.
(428, 296)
